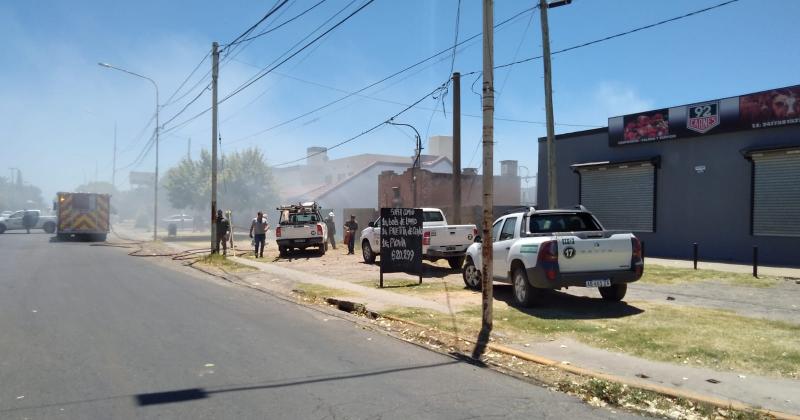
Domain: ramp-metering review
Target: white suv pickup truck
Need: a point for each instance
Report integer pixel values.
(439, 240)
(14, 221)
(554, 249)
(301, 226)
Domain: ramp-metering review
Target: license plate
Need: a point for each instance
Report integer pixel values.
(299, 240)
(451, 248)
(598, 283)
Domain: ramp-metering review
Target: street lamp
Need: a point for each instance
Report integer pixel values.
(155, 188)
(416, 158)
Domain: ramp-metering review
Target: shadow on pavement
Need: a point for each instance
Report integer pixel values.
(555, 304)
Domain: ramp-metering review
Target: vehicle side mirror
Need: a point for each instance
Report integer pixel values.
(371, 224)
(478, 239)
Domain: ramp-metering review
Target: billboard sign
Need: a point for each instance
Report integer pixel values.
(772, 108)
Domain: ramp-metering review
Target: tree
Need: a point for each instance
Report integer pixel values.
(100, 187)
(18, 196)
(244, 183)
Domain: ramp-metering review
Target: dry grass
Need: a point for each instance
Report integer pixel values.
(317, 290)
(219, 261)
(701, 337)
(658, 274)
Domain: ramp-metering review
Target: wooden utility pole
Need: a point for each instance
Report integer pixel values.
(114, 161)
(214, 77)
(552, 192)
(457, 148)
(488, 175)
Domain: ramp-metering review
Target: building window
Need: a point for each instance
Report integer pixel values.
(621, 196)
(776, 193)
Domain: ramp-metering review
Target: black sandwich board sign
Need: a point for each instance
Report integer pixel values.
(401, 241)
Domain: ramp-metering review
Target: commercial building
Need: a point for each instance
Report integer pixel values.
(724, 174)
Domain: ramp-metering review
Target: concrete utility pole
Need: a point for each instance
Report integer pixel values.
(488, 176)
(155, 180)
(552, 189)
(189, 149)
(214, 77)
(457, 148)
(114, 161)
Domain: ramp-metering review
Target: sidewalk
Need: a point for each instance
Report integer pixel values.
(771, 393)
(726, 267)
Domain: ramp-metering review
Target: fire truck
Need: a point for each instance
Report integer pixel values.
(82, 215)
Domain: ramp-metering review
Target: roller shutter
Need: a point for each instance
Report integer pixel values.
(622, 197)
(776, 193)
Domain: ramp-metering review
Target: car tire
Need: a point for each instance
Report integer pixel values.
(322, 249)
(367, 253)
(2, 228)
(614, 293)
(471, 275)
(282, 251)
(49, 227)
(455, 262)
(524, 293)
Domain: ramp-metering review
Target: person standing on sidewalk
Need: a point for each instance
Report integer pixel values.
(223, 232)
(329, 221)
(258, 231)
(351, 227)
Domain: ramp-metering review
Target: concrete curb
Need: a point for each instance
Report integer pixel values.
(668, 391)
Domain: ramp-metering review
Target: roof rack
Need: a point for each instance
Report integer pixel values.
(309, 206)
(519, 209)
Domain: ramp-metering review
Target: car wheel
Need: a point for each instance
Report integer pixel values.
(282, 251)
(2, 229)
(524, 293)
(322, 249)
(455, 262)
(614, 293)
(366, 252)
(471, 275)
(49, 227)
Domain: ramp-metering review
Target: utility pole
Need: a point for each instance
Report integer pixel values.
(552, 192)
(214, 77)
(457, 148)
(114, 161)
(189, 149)
(488, 176)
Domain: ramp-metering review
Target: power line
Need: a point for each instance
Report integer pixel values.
(369, 130)
(290, 20)
(274, 9)
(139, 136)
(391, 76)
(266, 71)
(186, 80)
(610, 37)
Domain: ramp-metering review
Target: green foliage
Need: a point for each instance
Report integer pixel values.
(244, 183)
(19, 196)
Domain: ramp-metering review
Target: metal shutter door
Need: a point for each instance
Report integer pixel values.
(776, 194)
(622, 197)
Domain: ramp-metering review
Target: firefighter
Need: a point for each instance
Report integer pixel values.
(223, 233)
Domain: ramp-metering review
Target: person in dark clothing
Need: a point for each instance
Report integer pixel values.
(28, 220)
(331, 229)
(223, 230)
(351, 226)
(258, 231)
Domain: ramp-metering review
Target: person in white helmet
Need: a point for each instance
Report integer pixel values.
(329, 221)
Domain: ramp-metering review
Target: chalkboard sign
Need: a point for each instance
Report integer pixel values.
(401, 241)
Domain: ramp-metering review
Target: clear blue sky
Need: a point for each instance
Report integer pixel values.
(59, 107)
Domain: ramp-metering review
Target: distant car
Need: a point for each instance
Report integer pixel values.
(182, 221)
(14, 221)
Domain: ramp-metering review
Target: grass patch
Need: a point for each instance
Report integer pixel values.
(659, 274)
(219, 261)
(700, 337)
(322, 291)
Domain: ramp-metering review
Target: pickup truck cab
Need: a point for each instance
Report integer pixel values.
(554, 249)
(14, 221)
(439, 240)
(301, 226)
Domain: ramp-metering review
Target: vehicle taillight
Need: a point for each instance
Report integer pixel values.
(319, 229)
(474, 232)
(277, 232)
(426, 238)
(548, 251)
(636, 248)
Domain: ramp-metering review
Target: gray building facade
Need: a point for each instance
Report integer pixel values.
(729, 182)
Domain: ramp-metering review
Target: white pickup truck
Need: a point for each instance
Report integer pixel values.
(14, 221)
(439, 240)
(300, 226)
(554, 249)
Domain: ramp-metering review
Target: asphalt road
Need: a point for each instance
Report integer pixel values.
(89, 332)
